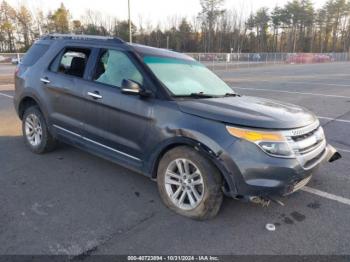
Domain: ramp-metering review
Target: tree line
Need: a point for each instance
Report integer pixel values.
(296, 27)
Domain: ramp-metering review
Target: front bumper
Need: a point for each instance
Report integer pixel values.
(254, 173)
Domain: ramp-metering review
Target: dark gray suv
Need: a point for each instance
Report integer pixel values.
(163, 114)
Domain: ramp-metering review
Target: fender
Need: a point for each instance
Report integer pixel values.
(217, 158)
(28, 94)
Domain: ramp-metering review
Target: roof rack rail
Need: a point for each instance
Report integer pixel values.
(82, 37)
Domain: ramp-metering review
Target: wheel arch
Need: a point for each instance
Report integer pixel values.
(25, 102)
(199, 147)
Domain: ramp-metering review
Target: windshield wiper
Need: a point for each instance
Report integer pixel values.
(197, 95)
(231, 94)
(201, 95)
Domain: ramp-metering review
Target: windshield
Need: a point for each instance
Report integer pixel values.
(185, 77)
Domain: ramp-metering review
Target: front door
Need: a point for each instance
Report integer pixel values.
(114, 122)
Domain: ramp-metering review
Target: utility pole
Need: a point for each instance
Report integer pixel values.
(167, 42)
(130, 35)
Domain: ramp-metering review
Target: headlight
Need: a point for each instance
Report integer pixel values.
(276, 148)
(272, 143)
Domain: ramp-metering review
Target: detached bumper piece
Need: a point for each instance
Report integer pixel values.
(301, 184)
(333, 155)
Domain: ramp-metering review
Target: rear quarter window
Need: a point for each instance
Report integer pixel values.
(34, 54)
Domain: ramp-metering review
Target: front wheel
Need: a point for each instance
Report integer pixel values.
(189, 184)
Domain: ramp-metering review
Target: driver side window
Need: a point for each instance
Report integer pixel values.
(113, 67)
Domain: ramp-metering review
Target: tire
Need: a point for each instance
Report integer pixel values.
(207, 201)
(40, 140)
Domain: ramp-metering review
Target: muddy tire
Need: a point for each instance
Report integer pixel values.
(189, 184)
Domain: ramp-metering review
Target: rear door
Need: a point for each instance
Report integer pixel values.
(63, 82)
(115, 122)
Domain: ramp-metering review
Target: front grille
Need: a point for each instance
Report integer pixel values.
(309, 141)
(314, 160)
(310, 148)
(304, 136)
(308, 144)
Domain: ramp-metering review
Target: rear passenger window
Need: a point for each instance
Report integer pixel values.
(34, 54)
(72, 62)
(114, 66)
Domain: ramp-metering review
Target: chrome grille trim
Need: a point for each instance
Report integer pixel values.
(303, 159)
(308, 148)
(302, 130)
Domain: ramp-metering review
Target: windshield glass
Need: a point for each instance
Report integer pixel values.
(185, 77)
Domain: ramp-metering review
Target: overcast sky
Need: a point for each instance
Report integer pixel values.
(151, 10)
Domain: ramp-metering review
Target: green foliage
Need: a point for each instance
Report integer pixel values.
(211, 11)
(121, 29)
(59, 20)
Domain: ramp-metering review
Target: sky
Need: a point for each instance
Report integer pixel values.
(153, 11)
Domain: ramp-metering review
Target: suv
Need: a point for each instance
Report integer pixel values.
(165, 115)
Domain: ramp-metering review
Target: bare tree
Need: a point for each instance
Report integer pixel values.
(294, 27)
(211, 11)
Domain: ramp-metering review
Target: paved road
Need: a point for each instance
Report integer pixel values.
(70, 202)
(7, 69)
(6, 73)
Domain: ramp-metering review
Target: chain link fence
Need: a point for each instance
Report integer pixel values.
(228, 61)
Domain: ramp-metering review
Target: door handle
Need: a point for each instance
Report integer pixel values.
(45, 80)
(94, 95)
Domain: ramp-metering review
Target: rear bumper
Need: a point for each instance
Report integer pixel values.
(257, 174)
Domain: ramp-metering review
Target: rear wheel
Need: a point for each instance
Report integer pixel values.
(189, 184)
(35, 131)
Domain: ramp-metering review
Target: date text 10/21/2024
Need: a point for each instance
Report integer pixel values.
(173, 258)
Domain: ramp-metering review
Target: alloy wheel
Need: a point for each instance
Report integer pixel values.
(184, 184)
(33, 130)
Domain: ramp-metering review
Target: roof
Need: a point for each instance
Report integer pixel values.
(153, 51)
(81, 37)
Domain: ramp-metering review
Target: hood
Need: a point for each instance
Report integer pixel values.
(249, 111)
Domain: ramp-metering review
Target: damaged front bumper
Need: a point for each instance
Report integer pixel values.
(330, 156)
(264, 177)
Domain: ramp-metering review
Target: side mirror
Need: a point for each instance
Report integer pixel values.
(132, 88)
